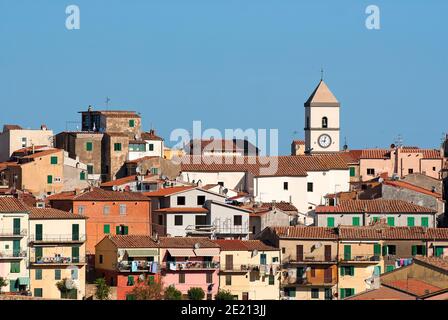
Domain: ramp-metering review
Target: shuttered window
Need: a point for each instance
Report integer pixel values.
(352, 171)
(425, 222)
(89, 146)
(54, 160)
(391, 221)
(355, 221)
(411, 221)
(330, 222)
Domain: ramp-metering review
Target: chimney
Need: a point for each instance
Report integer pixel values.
(43, 127)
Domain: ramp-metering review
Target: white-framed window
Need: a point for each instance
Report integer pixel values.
(106, 210)
(122, 209)
(57, 179)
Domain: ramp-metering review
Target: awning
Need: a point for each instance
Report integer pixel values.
(23, 281)
(207, 252)
(141, 252)
(181, 252)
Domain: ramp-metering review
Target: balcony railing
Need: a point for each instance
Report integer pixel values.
(137, 266)
(190, 265)
(13, 254)
(310, 259)
(58, 238)
(362, 258)
(268, 268)
(13, 233)
(221, 228)
(58, 260)
(309, 282)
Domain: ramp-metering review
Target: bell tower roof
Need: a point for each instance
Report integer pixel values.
(322, 94)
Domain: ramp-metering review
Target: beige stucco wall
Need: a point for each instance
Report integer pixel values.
(11, 140)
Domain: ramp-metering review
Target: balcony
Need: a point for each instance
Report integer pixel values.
(13, 233)
(190, 265)
(360, 258)
(57, 260)
(311, 259)
(13, 254)
(321, 282)
(137, 266)
(243, 268)
(57, 238)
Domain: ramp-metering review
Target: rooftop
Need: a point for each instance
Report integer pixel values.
(413, 286)
(51, 213)
(97, 194)
(322, 94)
(133, 241)
(187, 242)
(12, 205)
(244, 245)
(374, 206)
(168, 191)
(406, 185)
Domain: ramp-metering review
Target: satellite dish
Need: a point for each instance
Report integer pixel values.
(197, 245)
(254, 253)
(120, 253)
(138, 169)
(225, 190)
(380, 180)
(318, 245)
(69, 284)
(141, 277)
(114, 188)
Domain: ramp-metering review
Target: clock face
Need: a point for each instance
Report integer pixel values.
(324, 140)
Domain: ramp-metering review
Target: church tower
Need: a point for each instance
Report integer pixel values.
(322, 121)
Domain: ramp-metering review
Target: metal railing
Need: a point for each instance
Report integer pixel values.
(57, 238)
(57, 260)
(274, 267)
(360, 257)
(310, 258)
(13, 232)
(191, 265)
(140, 266)
(309, 282)
(8, 254)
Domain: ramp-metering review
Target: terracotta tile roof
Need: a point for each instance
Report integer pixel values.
(351, 156)
(374, 206)
(168, 191)
(427, 153)
(151, 135)
(302, 232)
(406, 185)
(30, 149)
(284, 206)
(298, 142)
(322, 94)
(182, 210)
(413, 286)
(43, 153)
(116, 134)
(221, 145)
(51, 213)
(438, 262)
(133, 241)
(98, 194)
(186, 242)
(120, 181)
(11, 204)
(114, 113)
(375, 154)
(382, 293)
(8, 127)
(244, 245)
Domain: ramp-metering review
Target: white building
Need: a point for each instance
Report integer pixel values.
(150, 145)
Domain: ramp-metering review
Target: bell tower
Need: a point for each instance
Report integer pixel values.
(322, 121)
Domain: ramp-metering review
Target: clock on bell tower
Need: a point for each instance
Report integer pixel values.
(322, 121)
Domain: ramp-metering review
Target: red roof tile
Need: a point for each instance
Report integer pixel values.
(413, 286)
(374, 206)
(244, 245)
(133, 241)
(182, 210)
(51, 213)
(11, 204)
(168, 191)
(302, 232)
(375, 154)
(406, 185)
(98, 194)
(438, 262)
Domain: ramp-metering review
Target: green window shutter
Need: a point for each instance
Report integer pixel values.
(106, 229)
(38, 274)
(75, 254)
(125, 230)
(75, 232)
(424, 250)
(377, 249)
(117, 146)
(151, 280)
(389, 268)
(16, 248)
(352, 171)
(330, 222)
(89, 169)
(352, 270)
(15, 267)
(342, 291)
(414, 250)
(16, 226)
(38, 292)
(13, 285)
(39, 253)
(49, 179)
(130, 280)
(355, 221)
(271, 280)
(384, 250)
(439, 251)
(425, 222)
(54, 160)
(391, 221)
(263, 258)
(411, 221)
(117, 229)
(342, 271)
(82, 175)
(377, 270)
(131, 123)
(347, 252)
(39, 231)
(352, 291)
(89, 146)
(57, 274)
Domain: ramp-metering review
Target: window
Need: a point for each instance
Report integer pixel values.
(181, 201)
(285, 185)
(121, 229)
(16, 226)
(418, 250)
(178, 220)
(15, 267)
(89, 146)
(377, 270)
(347, 271)
(75, 254)
(330, 222)
(137, 147)
(228, 280)
(23, 142)
(283, 250)
(74, 274)
(389, 250)
(38, 292)
(410, 170)
(347, 292)
(54, 160)
(106, 210)
(200, 220)
(38, 274)
(209, 277)
(154, 170)
(309, 187)
(130, 281)
(221, 183)
(49, 179)
(131, 123)
(160, 219)
(57, 274)
(181, 277)
(439, 251)
(425, 222)
(370, 171)
(375, 219)
(75, 232)
(352, 171)
(90, 169)
(411, 221)
(82, 175)
(201, 200)
(117, 146)
(130, 296)
(39, 232)
(106, 228)
(391, 221)
(81, 209)
(290, 292)
(101, 259)
(271, 280)
(151, 147)
(377, 249)
(433, 168)
(122, 209)
(314, 293)
(238, 220)
(324, 122)
(328, 294)
(347, 252)
(355, 221)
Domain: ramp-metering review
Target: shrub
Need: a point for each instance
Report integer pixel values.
(196, 294)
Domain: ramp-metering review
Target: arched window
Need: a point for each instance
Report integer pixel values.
(324, 122)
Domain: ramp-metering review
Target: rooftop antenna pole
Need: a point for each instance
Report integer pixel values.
(321, 74)
(107, 103)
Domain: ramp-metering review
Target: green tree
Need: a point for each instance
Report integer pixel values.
(102, 289)
(196, 294)
(3, 283)
(148, 290)
(224, 295)
(171, 293)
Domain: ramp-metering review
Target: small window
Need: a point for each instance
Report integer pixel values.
(330, 222)
(89, 169)
(151, 147)
(89, 146)
(181, 277)
(347, 271)
(106, 210)
(74, 274)
(201, 200)
(285, 185)
(122, 209)
(433, 168)
(356, 221)
(106, 228)
(238, 220)
(38, 274)
(314, 293)
(23, 142)
(38, 292)
(180, 200)
(49, 179)
(178, 220)
(81, 210)
(391, 221)
(15, 267)
(352, 171)
(425, 222)
(130, 281)
(82, 175)
(101, 259)
(370, 171)
(309, 187)
(209, 277)
(221, 183)
(154, 171)
(324, 122)
(410, 170)
(117, 146)
(228, 280)
(131, 123)
(411, 221)
(271, 280)
(283, 250)
(54, 160)
(57, 274)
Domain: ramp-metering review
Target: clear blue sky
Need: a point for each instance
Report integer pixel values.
(231, 64)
